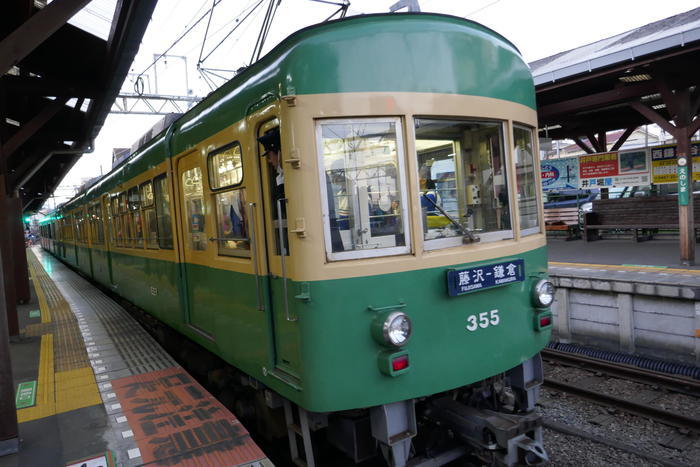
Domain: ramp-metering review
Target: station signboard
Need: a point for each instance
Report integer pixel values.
(664, 164)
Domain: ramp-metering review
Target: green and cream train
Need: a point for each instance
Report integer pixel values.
(396, 290)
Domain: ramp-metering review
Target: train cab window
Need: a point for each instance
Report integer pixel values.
(162, 200)
(194, 206)
(363, 178)
(150, 221)
(463, 184)
(135, 216)
(526, 172)
(225, 177)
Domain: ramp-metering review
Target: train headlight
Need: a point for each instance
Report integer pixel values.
(392, 329)
(543, 293)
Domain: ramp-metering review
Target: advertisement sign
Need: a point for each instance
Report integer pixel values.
(633, 168)
(663, 163)
(560, 174)
(598, 170)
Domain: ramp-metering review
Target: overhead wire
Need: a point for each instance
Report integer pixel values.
(216, 2)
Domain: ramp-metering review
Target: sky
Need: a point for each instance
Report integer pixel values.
(539, 28)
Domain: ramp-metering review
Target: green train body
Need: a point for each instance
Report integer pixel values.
(305, 325)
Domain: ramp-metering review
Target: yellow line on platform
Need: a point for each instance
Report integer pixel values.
(45, 398)
(614, 267)
(41, 297)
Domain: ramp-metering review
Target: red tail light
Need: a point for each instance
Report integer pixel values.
(545, 321)
(400, 363)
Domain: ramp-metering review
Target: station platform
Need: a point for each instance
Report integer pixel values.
(623, 296)
(96, 390)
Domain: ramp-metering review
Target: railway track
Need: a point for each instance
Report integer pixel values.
(654, 379)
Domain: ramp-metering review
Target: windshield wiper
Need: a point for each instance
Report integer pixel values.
(468, 236)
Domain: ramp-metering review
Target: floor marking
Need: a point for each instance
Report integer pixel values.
(134, 453)
(692, 272)
(127, 434)
(121, 419)
(45, 397)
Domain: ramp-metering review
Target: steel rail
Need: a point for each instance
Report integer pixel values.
(663, 416)
(615, 444)
(679, 384)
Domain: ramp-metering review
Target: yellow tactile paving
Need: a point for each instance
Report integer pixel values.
(76, 389)
(615, 267)
(66, 381)
(45, 399)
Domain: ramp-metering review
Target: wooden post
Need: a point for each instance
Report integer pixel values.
(9, 440)
(19, 250)
(686, 216)
(9, 296)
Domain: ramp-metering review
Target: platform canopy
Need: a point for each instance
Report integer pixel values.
(646, 75)
(57, 84)
(604, 85)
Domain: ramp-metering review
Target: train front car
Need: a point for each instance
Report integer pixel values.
(417, 266)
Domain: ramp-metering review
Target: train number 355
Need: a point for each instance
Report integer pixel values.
(483, 320)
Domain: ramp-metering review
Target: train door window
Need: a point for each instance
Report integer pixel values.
(194, 208)
(117, 222)
(526, 178)
(127, 229)
(162, 200)
(135, 215)
(463, 183)
(363, 178)
(225, 179)
(148, 208)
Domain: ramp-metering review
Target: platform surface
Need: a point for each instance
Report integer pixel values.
(107, 394)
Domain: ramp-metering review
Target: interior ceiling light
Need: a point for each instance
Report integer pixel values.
(651, 97)
(635, 78)
(658, 106)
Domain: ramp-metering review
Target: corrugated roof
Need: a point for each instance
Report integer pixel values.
(675, 31)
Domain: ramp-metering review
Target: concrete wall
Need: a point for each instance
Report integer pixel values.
(652, 320)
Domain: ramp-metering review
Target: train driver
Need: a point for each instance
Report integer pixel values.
(271, 142)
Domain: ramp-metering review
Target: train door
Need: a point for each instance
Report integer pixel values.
(190, 177)
(277, 258)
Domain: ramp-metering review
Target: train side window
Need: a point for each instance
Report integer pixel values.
(135, 215)
(148, 208)
(226, 171)
(363, 178)
(526, 177)
(194, 208)
(463, 183)
(162, 201)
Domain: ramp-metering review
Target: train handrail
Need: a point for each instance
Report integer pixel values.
(283, 254)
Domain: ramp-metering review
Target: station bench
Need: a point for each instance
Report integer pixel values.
(644, 216)
(563, 220)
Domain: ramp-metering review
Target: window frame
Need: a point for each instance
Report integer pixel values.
(163, 176)
(488, 237)
(536, 166)
(210, 172)
(403, 190)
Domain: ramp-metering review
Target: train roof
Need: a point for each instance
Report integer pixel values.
(391, 52)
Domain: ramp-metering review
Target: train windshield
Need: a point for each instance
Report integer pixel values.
(364, 179)
(463, 183)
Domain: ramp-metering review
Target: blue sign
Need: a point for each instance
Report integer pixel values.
(461, 281)
(559, 174)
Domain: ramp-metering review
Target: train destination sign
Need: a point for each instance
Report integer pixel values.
(461, 281)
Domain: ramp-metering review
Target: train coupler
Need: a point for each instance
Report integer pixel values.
(507, 439)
